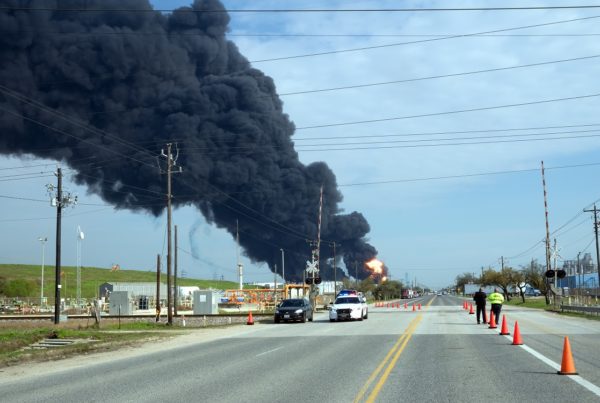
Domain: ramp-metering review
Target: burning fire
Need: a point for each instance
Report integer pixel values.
(375, 265)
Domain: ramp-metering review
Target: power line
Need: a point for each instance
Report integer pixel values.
(450, 144)
(20, 97)
(24, 198)
(30, 177)
(485, 108)
(10, 112)
(373, 145)
(453, 138)
(447, 132)
(422, 40)
(347, 87)
(300, 10)
(513, 171)
(256, 150)
(280, 35)
(543, 242)
(268, 35)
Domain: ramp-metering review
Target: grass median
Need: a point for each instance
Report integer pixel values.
(16, 341)
(540, 303)
(531, 302)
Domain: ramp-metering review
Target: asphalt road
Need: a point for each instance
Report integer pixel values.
(436, 354)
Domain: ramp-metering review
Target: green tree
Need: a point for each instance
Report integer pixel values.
(520, 283)
(367, 286)
(503, 279)
(388, 290)
(19, 288)
(535, 277)
(465, 278)
(3, 283)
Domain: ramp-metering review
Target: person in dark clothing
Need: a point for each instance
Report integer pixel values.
(480, 297)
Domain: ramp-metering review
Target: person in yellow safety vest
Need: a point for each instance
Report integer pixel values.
(496, 299)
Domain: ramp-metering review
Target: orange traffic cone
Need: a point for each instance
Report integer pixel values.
(504, 331)
(405, 305)
(419, 307)
(250, 320)
(567, 366)
(414, 308)
(485, 320)
(471, 311)
(492, 321)
(464, 304)
(517, 341)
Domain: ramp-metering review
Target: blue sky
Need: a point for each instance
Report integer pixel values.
(431, 230)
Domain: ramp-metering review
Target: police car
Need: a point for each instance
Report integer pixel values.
(349, 305)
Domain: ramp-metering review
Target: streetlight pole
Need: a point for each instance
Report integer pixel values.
(43, 241)
(282, 265)
(579, 278)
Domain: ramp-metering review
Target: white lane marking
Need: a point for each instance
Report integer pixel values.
(583, 382)
(270, 351)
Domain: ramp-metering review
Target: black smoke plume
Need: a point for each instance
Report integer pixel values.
(104, 90)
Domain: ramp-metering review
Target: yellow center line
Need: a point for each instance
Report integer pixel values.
(392, 364)
(365, 387)
(402, 341)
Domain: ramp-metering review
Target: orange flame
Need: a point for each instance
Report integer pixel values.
(375, 265)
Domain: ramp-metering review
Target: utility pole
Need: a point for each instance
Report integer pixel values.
(356, 273)
(547, 231)
(157, 287)
(502, 262)
(282, 265)
(57, 264)
(333, 244)
(554, 255)
(275, 285)
(80, 237)
(175, 292)
(43, 241)
(171, 162)
(59, 200)
(595, 211)
(579, 277)
(313, 267)
(237, 254)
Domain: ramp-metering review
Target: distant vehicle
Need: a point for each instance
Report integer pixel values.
(533, 292)
(439, 293)
(444, 292)
(408, 293)
(349, 307)
(294, 309)
(348, 292)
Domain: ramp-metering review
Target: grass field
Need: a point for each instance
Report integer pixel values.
(92, 278)
(530, 302)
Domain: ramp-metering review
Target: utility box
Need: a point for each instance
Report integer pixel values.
(206, 303)
(120, 303)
